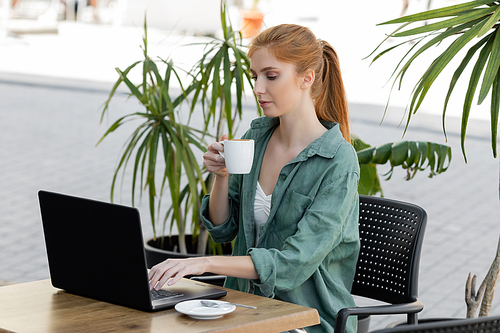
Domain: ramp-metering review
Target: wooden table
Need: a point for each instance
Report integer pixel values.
(39, 307)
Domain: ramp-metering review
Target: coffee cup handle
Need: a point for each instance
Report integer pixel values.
(221, 153)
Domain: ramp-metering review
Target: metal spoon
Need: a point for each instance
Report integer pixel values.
(211, 304)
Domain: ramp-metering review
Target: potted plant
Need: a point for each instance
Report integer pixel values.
(159, 137)
(222, 70)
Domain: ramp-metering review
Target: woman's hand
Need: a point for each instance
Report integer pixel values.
(172, 270)
(175, 269)
(213, 161)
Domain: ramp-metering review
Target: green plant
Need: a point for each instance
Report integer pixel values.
(462, 24)
(159, 131)
(223, 69)
(412, 156)
(473, 27)
(223, 65)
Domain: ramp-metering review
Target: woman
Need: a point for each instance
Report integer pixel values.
(295, 215)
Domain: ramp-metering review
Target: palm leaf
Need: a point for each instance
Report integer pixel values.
(369, 182)
(410, 155)
(138, 155)
(491, 69)
(445, 24)
(438, 13)
(449, 32)
(227, 91)
(441, 62)
(491, 22)
(467, 20)
(476, 73)
(495, 106)
(115, 87)
(459, 72)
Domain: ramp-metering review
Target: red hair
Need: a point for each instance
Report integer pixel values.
(297, 45)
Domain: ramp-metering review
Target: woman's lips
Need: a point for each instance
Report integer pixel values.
(264, 103)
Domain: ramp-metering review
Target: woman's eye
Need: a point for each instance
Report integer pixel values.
(254, 78)
(271, 77)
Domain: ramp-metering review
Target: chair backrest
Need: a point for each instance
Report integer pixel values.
(391, 234)
(474, 325)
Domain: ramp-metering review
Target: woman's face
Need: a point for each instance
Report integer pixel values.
(276, 85)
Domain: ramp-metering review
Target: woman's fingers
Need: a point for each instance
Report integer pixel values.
(160, 274)
(215, 147)
(171, 272)
(174, 269)
(212, 160)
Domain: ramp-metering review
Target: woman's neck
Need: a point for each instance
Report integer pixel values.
(299, 129)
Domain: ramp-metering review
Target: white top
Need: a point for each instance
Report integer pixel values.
(262, 207)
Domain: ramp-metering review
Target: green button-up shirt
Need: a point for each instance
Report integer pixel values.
(308, 248)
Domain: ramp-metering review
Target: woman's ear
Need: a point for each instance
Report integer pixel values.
(308, 79)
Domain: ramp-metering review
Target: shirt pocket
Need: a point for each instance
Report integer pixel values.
(290, 212)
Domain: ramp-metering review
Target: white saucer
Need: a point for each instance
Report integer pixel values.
(195, 310)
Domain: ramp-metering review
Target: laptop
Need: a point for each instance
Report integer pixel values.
(96, 249)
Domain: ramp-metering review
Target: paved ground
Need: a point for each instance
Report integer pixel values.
(49, 127)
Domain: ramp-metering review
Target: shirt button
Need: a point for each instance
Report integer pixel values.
(283, 177)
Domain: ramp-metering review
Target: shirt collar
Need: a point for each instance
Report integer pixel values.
(325, 146)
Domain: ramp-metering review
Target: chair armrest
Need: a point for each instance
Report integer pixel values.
(404, 308)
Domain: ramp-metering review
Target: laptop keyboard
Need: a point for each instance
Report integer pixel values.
(163, 294)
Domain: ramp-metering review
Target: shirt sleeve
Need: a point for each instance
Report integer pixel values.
(228, 230)
(319, 234)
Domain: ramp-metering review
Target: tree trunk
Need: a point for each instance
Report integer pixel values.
(486, 290)
(491, 282)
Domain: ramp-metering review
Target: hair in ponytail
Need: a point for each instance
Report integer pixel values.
(297, 45)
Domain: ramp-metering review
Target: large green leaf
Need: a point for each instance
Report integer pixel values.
(438, 13)
(474, 79)
(468, 20)
(491, 22)
(491, 69)
(115, 87)
(458, 73)
(438, 66)
(369, 182)
(470, 16)
(495, 106)
(410, 155)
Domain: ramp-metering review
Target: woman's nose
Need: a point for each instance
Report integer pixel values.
(258, 87)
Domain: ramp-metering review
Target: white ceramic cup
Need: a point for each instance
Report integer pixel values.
(238, 154)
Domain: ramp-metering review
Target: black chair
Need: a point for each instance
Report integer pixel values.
(391, 234)
(474, 325)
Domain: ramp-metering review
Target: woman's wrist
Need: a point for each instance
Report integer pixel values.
(238, 266)
(222, 177)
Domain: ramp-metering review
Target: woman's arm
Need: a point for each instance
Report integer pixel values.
(175, 269)
(218, 207)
